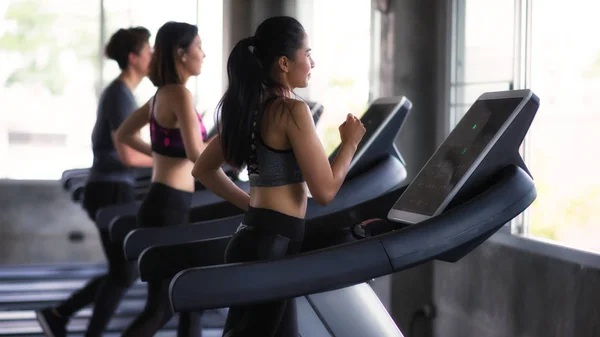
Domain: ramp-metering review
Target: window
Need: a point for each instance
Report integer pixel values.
(48, 78)
(484, 52)
(341, 49)
(499, 45)
(53, 70)
(563, 140)
(210, 82)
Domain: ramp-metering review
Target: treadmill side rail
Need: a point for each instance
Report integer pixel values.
(347, 264)
(163, 262)
(141, 239)
(243, 283)
(512, 193)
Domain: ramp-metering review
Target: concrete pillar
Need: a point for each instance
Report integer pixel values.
(413, 61)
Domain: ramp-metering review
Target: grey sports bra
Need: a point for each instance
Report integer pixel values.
(269, 167)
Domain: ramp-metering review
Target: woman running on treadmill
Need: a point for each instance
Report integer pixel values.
(177, 137)
(111, 179)
(263, 126)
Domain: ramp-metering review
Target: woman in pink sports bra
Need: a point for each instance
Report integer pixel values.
(177, 137)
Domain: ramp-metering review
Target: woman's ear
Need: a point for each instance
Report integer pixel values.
(181, 54)
(284, 64)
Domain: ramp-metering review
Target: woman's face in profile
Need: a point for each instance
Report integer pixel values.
(194, 57)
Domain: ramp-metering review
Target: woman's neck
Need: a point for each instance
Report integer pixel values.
(280, 91)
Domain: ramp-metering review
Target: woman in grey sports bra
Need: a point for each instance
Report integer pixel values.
(263, 127)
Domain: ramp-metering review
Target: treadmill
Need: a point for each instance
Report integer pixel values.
(376, 169)
(473, 185)
(74, 180)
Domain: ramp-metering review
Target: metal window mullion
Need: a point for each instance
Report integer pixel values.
(522, 80)
(100, 78)
(457, 53)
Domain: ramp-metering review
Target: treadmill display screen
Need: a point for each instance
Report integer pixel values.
(372, 119)
(434, 183)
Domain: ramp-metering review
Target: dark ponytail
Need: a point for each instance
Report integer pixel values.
(248, 70)
(241, 101)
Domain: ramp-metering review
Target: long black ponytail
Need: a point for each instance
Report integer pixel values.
(248, 70)
(241, 101)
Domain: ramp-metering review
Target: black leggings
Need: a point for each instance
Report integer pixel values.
(105, 290)
(163, 206)
(264, 234)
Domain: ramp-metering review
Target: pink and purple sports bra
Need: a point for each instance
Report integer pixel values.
(168, 141)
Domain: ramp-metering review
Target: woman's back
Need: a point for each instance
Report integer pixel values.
(275, 178)
(171, 108)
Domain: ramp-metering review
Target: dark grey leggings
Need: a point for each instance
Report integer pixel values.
(265, 234)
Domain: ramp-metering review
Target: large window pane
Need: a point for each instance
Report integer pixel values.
(565, 73)
(48, 74)
(210, 87)
(341, 51)
(485, 49)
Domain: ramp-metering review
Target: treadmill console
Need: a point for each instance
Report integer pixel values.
(458, 156)
(375, 119)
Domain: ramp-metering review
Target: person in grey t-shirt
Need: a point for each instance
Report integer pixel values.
(110, 181)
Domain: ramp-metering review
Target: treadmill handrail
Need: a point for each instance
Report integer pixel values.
(352, 263)
(141, 239)
(106, 215)
(368, 185)
(158, 263)
(485, 213)
(120, 226)
(255, 281)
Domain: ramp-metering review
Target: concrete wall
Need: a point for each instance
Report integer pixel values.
(504, 291)
(36, 220)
